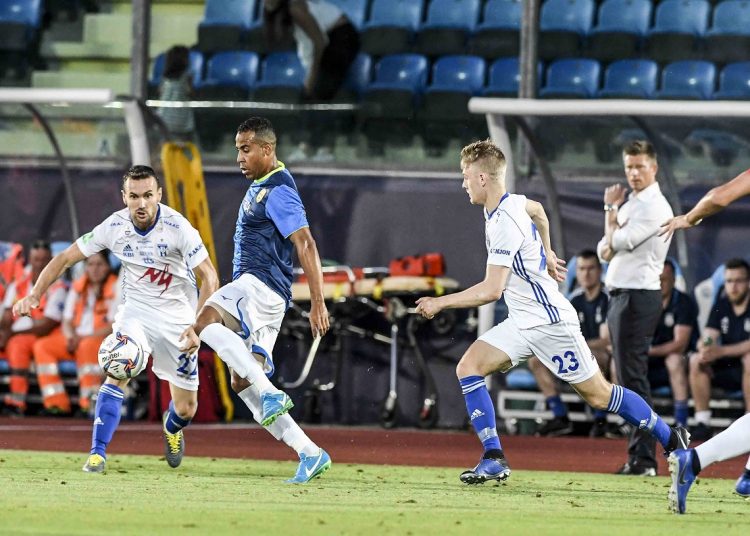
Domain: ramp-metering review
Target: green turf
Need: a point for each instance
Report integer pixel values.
(47, 493)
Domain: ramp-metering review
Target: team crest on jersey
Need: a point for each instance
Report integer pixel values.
(261, 195)
(747, 325)
(246, 207)
(127, 251)
(669, 320)
(162, 249)
(724, 323)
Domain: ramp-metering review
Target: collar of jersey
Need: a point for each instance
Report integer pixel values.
(489, 214)
(268, 175)
(144, 233)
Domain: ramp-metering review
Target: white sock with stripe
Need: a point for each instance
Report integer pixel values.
(732, 442)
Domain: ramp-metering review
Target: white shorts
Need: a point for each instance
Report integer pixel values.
(161, 340)
(259, 312)
(560, 347)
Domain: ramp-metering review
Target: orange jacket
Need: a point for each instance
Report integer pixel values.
(103, 300)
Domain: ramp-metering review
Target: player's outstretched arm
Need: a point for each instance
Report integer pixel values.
(50, 274)
(487, 291)
(555, 267)
(307, 252)
(714, 201)
(205, 271)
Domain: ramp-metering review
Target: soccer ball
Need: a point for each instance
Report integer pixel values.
(121, 357)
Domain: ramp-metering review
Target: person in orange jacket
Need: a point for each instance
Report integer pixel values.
(18, 336)
(87, 320)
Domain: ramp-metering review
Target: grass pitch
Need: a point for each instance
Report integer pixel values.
(47, 493)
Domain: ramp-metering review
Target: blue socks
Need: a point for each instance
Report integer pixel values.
(481, 411)
(106, 417)
(600, 414)
(174, 423)
(635, 411)
(681, 412)
(556, 406)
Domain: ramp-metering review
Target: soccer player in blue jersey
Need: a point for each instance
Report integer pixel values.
(242, 319)
(541, 321)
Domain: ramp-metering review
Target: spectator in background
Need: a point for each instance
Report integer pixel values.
(327, 44)
(87, 320)
(18, 336)
(723, 356)
(176, 86)
(590, 302)
(676, 334)
(636, 259)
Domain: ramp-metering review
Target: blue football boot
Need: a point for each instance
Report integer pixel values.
(310, 467)
(487, 469)
(274, 406)
(681, 470)
(742, 487)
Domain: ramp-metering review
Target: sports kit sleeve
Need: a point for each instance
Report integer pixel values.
(286, 210)
(95, 240)
(194, 250)
(504, 239)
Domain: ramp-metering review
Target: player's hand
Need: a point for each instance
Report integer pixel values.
(319, 321)
(556, 267)
(428, 307)
(71, 343)
(614, 195)
(24, 306)
(709, 353)
(189, 341)
(672, 224)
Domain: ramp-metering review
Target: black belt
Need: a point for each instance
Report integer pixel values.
(617, 291)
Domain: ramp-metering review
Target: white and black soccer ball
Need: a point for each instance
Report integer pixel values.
(121, 357)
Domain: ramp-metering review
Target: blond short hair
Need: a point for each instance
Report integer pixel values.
(488, 155)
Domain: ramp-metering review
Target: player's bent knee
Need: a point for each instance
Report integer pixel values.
(239, 383)
(186, 408)
(206, 317)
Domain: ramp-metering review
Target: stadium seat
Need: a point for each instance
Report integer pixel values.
(505, 78)
(196, 68)
(20, 22)
(678, 29)
(620, 29)
(575, 78)
(448, 24)
(389, 102)
(224, 22)
(688, 80)
(355, 10)
(734, 82)
(562, 26)
(391, 26)
(282, 78)
(359, 75)
(498, 33)
(445, 105)
(229, 76)
(728, 39)
(630, 79)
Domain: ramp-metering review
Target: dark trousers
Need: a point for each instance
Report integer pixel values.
(632, 317)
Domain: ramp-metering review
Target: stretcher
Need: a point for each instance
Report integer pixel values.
(349, 298)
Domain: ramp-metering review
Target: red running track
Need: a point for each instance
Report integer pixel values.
(345, 444)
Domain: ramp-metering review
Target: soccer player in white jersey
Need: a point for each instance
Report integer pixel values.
(242, 319)
(684, 465)
(161, 254)
(541, 321)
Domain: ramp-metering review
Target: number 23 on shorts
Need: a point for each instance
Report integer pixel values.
(567, 363)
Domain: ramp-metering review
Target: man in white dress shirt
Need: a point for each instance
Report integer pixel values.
(636, 256)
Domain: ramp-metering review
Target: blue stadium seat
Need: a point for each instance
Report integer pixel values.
(20, 22)
(196, 68)
(678, 29)
(224, 22)
(562, 26)
(356, 10)
(728, 39)
(630, 79)
(229, 76)
(448, 24)
(575, 78)
(391, 26)
(688, 80)
(357, 79)
(282, 78)
(505, 78)
(389, 102)
(497, 34)
(734, 82)
(621, 26)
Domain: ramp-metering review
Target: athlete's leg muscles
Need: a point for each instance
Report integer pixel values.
(107, 414)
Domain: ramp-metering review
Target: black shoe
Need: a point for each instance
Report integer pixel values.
(635, 468)
(559, 426)
(701, 432)
(599, 428)
(679, 439)
(12, 411)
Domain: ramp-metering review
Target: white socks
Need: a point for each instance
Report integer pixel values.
(235, 354)
(283, 429)
(732, 442)
(703, 417)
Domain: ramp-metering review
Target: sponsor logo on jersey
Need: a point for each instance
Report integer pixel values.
(246, 208)
(127, 251)
(162, 249)
(497, 251)
(87, 237)
(158, 277)
(115, 224)
(196, 249)
(172, 224)
(261, 195)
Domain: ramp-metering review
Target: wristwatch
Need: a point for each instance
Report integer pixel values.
(609, 206)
